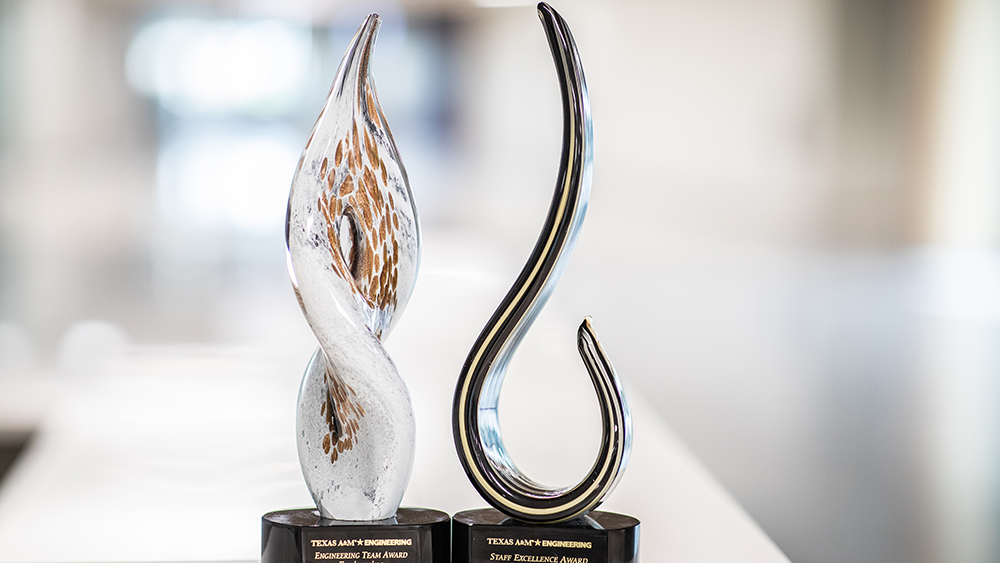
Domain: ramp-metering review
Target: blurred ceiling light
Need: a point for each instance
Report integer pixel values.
(199, 66)
(504, 3)
(233, 178)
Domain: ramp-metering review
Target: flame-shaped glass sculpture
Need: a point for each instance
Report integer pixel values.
(353, 249)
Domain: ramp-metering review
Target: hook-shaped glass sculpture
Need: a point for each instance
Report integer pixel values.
(353, 250)
(475, 423)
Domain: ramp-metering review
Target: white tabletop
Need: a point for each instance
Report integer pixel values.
(173, 453)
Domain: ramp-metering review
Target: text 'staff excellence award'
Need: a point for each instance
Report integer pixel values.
(353, 250)
(531, 522)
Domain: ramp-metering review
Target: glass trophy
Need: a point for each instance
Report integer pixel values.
(353, 242)
(528, 521)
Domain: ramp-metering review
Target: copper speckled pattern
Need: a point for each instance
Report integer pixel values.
(356, 192)
(341, 410)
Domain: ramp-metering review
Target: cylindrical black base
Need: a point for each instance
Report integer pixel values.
(598, 537)
(416, 535)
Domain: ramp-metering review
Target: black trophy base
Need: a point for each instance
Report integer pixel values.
(415, 535)
(598, 537)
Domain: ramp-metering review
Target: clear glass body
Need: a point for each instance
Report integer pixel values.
(353, 248)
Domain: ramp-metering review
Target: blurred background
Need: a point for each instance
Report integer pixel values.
(790, 252)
